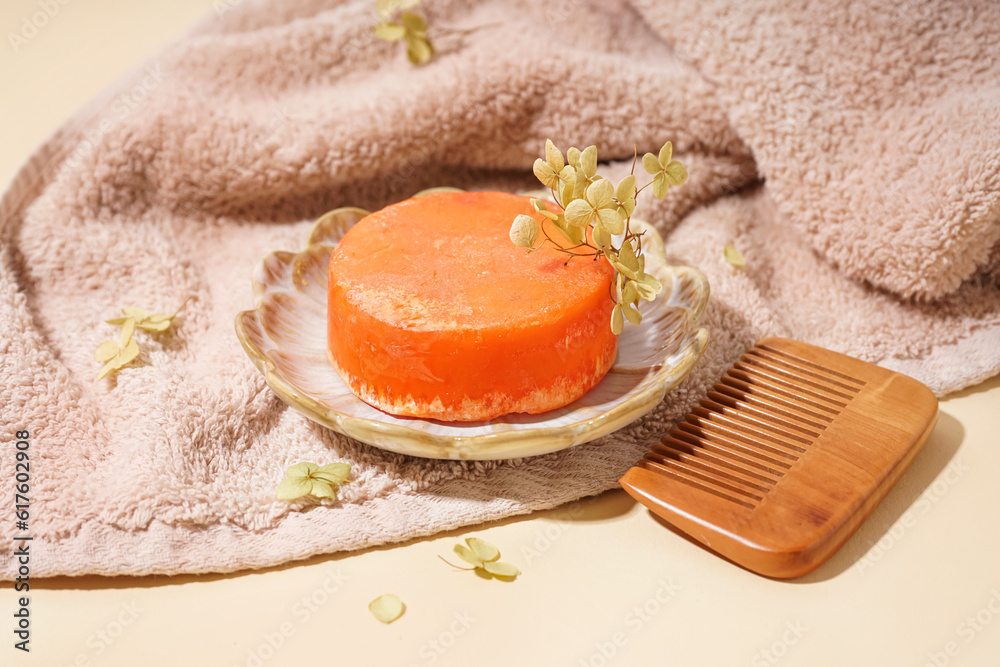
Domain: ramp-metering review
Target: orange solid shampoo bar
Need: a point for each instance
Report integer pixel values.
(435, 313)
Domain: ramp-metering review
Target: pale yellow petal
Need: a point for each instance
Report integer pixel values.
(588, 161)
(565, 194)
(300, 470)
(626, 255)
(579, 213)
(651, 164)
(676, 173)
(290, 489)
(617, 320)
(390, 32)
(632, 313)
(602, 237)
(562, 226)
(505, 570)
(386, 608)
(647, 286)
(149, 325)
(524, 231)
(666, 152)
(554, 156)
(601, 194)
(106, 350)
(327, 478)
(415, 24)
(573, 157)
(545, 174)
(468, 555)
(580, 184)
(660, 185)
(575, 233)
(611, 220)
(127, 354)
(418, 50)
(578, 234)
(335, 473)
(621, 268)
(625, 189)
(108, 367)
(734, 256)
(125, 335)
(630, 293)
(627, 208)
(568, 175)
(338, 468)
(486, 551)
(322, 489)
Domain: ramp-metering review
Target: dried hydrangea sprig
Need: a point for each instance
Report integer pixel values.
(115, 354)
(310, 479)
(484, 557)
(590, 202)
(396, 23)
(408, 26)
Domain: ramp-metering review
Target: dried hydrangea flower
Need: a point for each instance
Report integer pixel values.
(590, 201)
(116, 354)
(598, 207)
(411, 28)
(484, 556)
(310, 479)
(548, 170)
(665, 171)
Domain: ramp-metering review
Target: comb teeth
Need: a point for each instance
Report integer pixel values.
(754, 425)
(785, 457)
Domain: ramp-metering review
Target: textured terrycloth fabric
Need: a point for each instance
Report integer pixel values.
(850, 150)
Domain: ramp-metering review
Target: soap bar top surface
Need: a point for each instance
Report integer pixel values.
(445, 261)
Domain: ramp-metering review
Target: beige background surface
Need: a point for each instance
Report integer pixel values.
(603, 583)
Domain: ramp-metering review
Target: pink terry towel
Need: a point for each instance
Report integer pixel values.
(851, 151)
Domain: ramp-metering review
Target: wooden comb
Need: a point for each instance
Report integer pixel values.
(787, 456)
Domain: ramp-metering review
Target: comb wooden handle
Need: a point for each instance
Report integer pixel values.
(786, 456)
